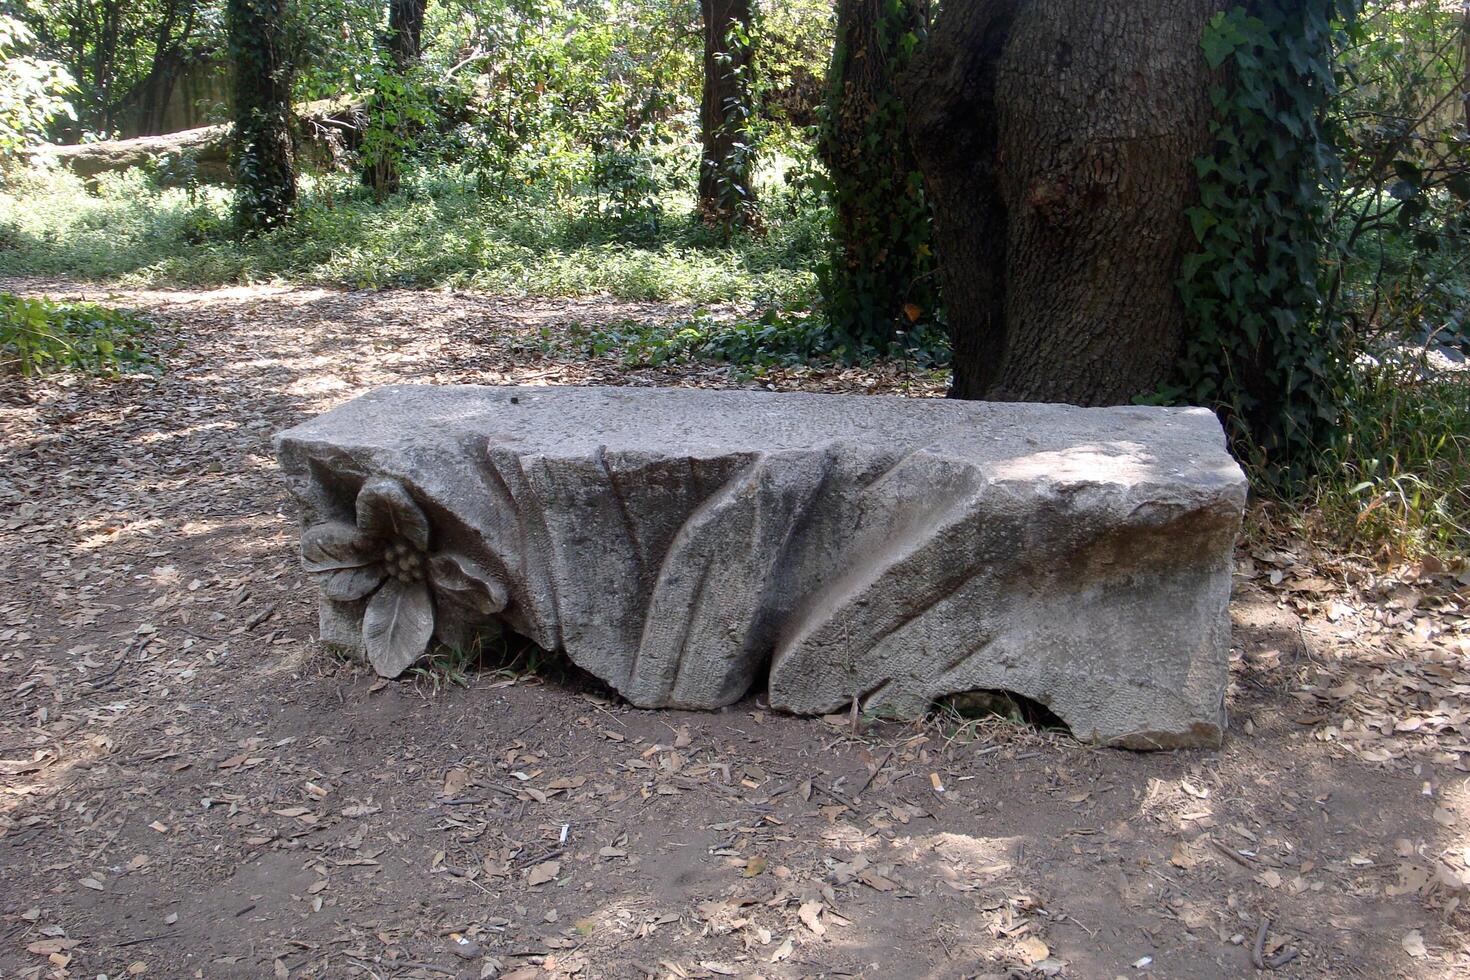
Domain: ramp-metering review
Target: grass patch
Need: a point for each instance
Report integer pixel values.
(1396, 482)
(126, 229)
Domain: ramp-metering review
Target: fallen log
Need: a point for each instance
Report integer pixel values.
(208, 147)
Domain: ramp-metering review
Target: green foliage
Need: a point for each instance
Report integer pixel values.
(777, 337)
(879, 278)
(1401, 217)
(727, 192)
(37, 336)
(265, 176)
(400, 107)
(1397, 476)
(1259, 351)
(32, 91)
(125, 55)
(442, 233)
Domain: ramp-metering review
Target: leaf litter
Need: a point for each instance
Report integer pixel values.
(183, 771)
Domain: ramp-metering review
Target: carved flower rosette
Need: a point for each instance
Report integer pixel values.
(387, 559)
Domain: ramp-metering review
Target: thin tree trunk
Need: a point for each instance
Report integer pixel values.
(265, 169)
(1057, 139)
(1465, 61)
(725, 194)
(404, 44)
(406, 31)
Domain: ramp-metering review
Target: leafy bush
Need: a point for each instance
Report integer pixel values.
(32, 90)
(37, 335)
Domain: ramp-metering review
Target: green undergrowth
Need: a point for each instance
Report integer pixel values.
(126, 229)
(779, 336)
(1396, 480)
(38, 336)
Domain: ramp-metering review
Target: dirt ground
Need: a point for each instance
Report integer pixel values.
(189, 787)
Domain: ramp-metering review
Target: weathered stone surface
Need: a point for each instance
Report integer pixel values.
(679, 543)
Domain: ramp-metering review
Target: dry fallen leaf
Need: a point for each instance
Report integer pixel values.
(810, 913)
(1413, 944)
(1033, 950)
(544, 872)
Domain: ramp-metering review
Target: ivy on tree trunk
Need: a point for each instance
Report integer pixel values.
(265, 171)
(879, 279)
(403, 44)
(727, 157)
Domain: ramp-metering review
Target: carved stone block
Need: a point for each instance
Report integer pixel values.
(683, 545)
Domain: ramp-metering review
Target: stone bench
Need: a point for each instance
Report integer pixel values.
(686, 545)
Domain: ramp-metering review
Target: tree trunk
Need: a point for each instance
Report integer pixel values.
(1057, 139)
(406, 31)
(725, 194)
(1465, 62)
(265, 169)
(879, 279)
(404, 43)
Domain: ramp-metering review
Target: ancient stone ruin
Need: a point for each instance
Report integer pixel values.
(686, 545)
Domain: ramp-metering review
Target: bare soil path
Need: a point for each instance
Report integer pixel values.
(189, 787)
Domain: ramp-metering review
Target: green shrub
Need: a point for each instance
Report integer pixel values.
(37, 336)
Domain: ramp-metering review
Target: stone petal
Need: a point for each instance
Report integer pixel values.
(460, 580)
(351, 584)
(385, 510)
(334, 546)
(397, 626)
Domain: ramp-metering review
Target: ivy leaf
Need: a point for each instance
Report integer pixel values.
(1201, 220)
(1408, 171)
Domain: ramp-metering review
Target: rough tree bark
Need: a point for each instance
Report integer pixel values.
(1465, 62)
(404, 44)
(1057, 140)
(725, 194)
(879, 278)
(265, 166)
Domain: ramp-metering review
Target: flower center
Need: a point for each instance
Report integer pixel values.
(403, 561)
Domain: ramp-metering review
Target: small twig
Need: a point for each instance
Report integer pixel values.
(1232, 854)
(526, 729)
(1069, 917)
(1281, 959)
(1258, 950)
(141, 939)
(539, 859)
(835, 795)
(429, 966)
(874, 774)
